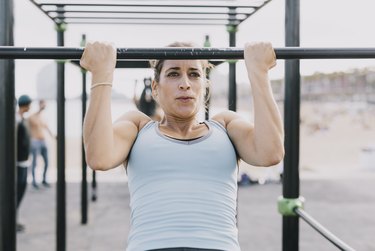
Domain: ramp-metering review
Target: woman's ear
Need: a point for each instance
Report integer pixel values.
(154, 86)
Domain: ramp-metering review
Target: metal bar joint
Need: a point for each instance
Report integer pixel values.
(287, 206)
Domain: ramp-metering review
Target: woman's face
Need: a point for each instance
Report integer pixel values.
(180, 89)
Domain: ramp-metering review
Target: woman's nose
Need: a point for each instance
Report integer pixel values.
(184, 84)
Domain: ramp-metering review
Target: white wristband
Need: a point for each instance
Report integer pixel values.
(101, 84)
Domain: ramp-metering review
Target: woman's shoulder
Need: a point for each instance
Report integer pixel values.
(139, 119)
(225, 117)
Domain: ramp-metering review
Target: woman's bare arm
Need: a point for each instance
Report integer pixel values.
(107, 145)
(261, 144)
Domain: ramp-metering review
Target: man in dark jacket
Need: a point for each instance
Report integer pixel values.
(23, 149)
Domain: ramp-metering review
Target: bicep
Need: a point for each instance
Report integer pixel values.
(240, 132)
(125, 133)
(112, 149)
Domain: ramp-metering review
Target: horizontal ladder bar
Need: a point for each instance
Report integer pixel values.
(10, 52)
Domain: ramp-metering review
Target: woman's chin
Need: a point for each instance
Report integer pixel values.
(186, 113)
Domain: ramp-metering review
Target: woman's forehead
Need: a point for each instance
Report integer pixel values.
(183, 64)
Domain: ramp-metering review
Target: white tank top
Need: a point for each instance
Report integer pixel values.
(183, 193)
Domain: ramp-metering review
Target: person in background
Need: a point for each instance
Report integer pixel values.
(182, 172)
(146, 103)
(23, 150)
(38, 128)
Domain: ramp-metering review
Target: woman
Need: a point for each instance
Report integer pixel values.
(182, 173)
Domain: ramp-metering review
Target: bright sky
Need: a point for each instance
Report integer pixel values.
(332, 23)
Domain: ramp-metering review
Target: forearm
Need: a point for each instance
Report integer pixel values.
(98, 133)
(98, 128)
(268, 126)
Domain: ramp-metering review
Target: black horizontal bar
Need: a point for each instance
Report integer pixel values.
(140, 64)
(151, 5)
(10, 52)
(322, 230)
(149, 18)
(147, 12)
(123, 22)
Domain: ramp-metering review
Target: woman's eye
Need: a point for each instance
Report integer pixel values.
(172, 74)
(195, 74)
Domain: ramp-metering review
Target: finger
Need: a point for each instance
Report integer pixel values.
(85, 55)
(82, 61)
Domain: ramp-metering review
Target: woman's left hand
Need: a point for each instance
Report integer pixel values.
(259, 56)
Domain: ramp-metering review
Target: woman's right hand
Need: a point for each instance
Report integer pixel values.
(100, 59)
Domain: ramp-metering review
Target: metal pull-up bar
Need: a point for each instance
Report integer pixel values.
(10, 52)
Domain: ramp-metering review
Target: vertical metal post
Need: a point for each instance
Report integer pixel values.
(8, 169)
(93, 186)
(290, 239)
(207, 43)
(232, 93)
(61, 190)
(84, 201)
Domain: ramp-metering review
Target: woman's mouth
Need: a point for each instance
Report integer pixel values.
(185, 98)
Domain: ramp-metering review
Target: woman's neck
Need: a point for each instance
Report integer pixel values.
(179, 127)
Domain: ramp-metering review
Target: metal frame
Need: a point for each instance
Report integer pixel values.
(8, 170)
(290, 201)
(157, 12)
(291, 181)
(124, 55)
(292, 102)
(322, 230)
(224, 12)
(206, 12)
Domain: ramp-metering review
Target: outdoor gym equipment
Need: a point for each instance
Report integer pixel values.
(287, 207)
(231, 53)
